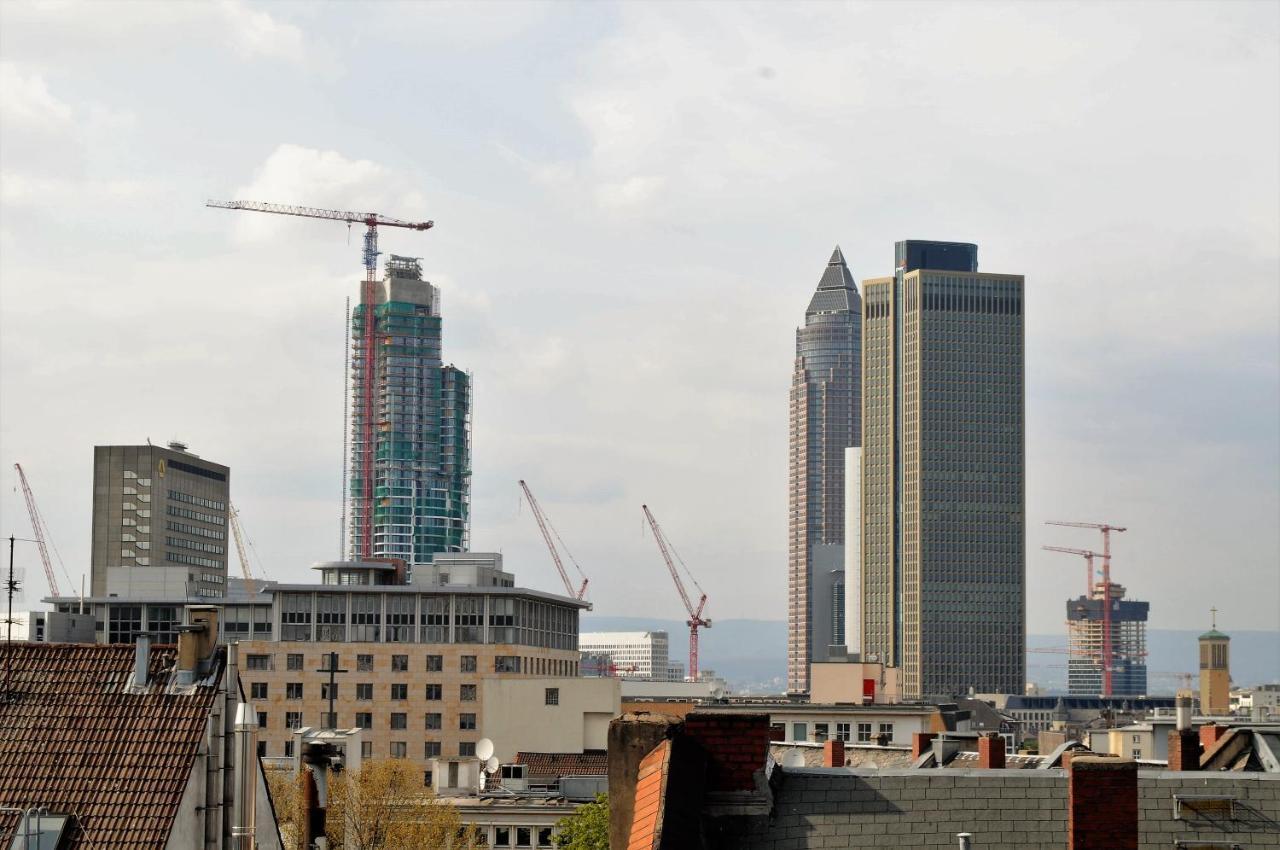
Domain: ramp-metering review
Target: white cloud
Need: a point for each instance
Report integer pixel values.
(26, 102)
(257, 33)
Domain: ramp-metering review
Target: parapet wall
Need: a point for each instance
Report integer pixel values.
(1002, 809)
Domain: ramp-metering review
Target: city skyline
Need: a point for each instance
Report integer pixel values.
(625, 292)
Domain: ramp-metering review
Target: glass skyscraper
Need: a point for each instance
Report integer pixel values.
(422, 435)
(825, 420)
(943, 488)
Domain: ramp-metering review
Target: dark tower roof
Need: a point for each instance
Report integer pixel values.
(834, 287)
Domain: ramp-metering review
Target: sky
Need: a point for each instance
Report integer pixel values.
(633, 204)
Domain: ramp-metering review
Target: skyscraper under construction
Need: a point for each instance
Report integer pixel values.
(825, 420)
(420, 494)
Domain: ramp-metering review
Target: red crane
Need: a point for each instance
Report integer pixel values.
(38, 527)
(364, 404)
(1106, 529)
(547, 530)
(696, 620)
(1088, 556)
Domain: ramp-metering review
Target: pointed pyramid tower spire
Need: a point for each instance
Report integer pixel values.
(837, 258)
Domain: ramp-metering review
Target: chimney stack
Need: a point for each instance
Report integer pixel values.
(197, 642)
(244, 801)
(1210, 734)
(1183, 713)
(833, 753)
(142, 660)
(991, 751)
(920, 743)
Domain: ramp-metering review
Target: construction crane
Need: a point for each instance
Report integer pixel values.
(696, 620)
(364, 405)
(547, 530)
(1088, 556)
(1106, 529)
(244, 556)
(39, 527)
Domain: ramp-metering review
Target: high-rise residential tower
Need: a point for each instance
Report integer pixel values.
(159, 523)
(943, 492)
(825, 420)
(422, 433)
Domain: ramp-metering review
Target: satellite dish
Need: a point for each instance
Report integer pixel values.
(491, 765)
(484, 749)
(793, 758)
(717, 693)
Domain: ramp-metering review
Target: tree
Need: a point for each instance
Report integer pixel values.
(285, 788)
(587, 828)
(383, 806)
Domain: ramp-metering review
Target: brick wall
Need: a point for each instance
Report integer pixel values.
(737, 745)
(1004, 810)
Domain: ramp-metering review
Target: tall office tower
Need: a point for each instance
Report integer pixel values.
(422, 436)
(159, 523)
(943, 567)
(1128, 644)
(825, 420)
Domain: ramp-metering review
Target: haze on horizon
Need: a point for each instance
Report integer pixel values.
(633, 203)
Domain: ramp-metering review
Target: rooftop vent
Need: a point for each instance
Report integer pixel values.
(177, 445)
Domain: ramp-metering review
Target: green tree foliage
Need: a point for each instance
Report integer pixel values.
(587, 828)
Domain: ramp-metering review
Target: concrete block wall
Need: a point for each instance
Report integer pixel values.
(1257, 809)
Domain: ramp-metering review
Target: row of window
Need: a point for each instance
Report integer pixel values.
(434, 663)
(196, 470)
(194, 545)
(173, 510)
(212, 504)
(195, 530)
(866, 732)
(190, 560)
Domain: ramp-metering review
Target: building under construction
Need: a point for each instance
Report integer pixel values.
(1085, 633)
(421, 428)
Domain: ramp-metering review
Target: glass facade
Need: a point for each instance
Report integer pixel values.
(825, 420)
(422, 443)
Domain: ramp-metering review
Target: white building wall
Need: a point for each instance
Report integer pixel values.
(647, 651)
(853, 549)
(514, 714)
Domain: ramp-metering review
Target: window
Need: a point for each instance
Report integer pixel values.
(400, 618)
(799, 731)
(1137, 739)
(364, 719)
(435, 692)
(1137, 753)
(293, 720)
(435, 619)
(502, 836)
(262, 749)
(435, 663)
(467, 693)
(399, 749)
(262, 720)
(400, 691)
(506, 664)
(364, 663)
(467, 749)
(364, 691)
(328, 691)
(552, 696)
(842, 731)
(434, 721)
(288, 749)
(163, 622)
(399, 663)
(524, 836)
(544, 836)
(864, 732)
(294, 661)
(821, 731)
(468, 664)
(295, 616)
(331, 617)
(257, 662)
(886, 729)
(293, 690)
(258, 690)
(399, 720)
(466, 721)
(468, 611)
(366, 617)
(125, 623)
(431, 749)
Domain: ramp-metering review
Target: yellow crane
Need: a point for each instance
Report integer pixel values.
(238, 534)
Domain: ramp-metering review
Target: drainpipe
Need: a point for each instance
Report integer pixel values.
(244, 821)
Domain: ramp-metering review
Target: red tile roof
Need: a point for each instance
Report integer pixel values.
(78, 739)
(556, 765)
(651, 786)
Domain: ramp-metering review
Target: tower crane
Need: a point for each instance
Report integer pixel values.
(364, 404)
(238, 534)
(696, 620)
(1106, 529)
(1088, 556)
(39, 527)
(547, 530)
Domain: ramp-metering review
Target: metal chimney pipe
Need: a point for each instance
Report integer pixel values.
(965, 840)
(141, 660)
(244, 803)
(1182, 713)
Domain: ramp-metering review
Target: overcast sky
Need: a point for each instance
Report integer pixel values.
(633, 204)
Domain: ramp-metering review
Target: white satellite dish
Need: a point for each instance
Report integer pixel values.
(484, 749)
(793, 758)
(491, 764)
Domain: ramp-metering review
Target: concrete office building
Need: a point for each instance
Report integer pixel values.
(825, 420)
(159, 523)
(943, 528)
(422, 434)
(646, 652)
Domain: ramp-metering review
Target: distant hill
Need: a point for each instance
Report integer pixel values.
(752, 654)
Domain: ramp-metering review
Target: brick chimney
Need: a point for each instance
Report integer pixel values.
(833, 753)
(1184, 749)
(1102, 803)
(1210, 734)
(991, 751)
(921, 742)
(737, 746)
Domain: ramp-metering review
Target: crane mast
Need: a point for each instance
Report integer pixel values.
(696, 620)
(37, 527)
(368, 341)
(1107, 655)
(547, 529)
(244, 557)
(1088, 561)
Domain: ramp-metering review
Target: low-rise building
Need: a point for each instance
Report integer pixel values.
(893, 725)
(632, 655)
